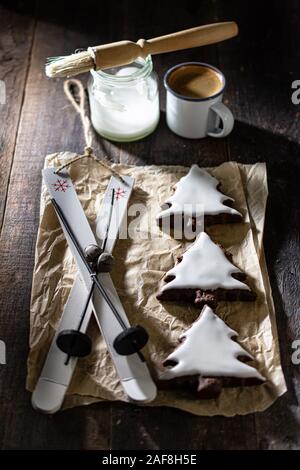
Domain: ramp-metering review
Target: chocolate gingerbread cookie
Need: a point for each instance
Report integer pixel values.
(208, 359)
(196, 195)
(203, 275)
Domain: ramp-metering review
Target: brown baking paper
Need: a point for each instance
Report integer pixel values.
(141, 263)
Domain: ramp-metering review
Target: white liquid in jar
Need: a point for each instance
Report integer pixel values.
(125, 112)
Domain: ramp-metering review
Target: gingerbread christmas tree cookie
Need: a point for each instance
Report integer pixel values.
(196, 195)
(205, 275)
(208, 359)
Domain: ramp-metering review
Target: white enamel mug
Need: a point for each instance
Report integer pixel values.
(196, 118)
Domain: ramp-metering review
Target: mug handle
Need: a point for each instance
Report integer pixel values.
(227, 118)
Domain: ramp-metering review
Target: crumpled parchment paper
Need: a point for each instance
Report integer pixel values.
(141, 263)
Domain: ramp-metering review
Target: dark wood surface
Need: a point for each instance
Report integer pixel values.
(36, 120)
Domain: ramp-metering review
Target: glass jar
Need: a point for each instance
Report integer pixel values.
(124, 101)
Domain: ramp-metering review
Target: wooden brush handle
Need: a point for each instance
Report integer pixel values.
(193, 37)
(125, 52)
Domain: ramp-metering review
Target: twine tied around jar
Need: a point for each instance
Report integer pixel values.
(80, 106)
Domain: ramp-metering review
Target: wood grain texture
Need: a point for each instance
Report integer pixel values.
(47, 125)
(282, 247)
(15, 48)
(262, 63)
(260, 71)
(38, 120)
(167, 428)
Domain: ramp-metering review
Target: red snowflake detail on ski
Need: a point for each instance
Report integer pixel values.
(61, 185)
(119, 193)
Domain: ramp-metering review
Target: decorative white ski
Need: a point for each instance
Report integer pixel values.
(56, 375)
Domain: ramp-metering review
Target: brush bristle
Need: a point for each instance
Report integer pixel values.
(70, 65)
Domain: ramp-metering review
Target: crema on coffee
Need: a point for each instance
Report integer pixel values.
(195, 81)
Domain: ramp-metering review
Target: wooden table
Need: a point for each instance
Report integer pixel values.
(260, 66)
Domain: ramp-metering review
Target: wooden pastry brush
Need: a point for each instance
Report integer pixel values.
(125, 52)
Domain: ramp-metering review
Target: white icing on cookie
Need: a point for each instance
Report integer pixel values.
(197, 190)
(208, 350)
(204, 266)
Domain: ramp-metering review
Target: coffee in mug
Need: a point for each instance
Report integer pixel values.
(194, 101)
(195, 81)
